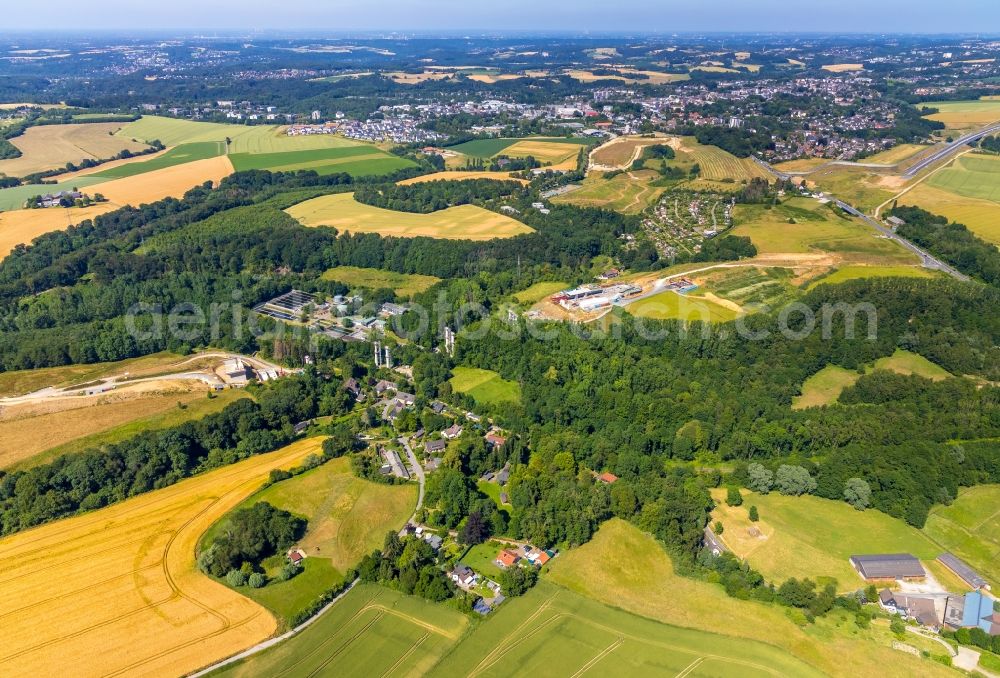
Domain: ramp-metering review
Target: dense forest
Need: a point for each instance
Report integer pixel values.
(432, 196)
(156, 459)
(718, 396)
(65, 298)
(951, 241)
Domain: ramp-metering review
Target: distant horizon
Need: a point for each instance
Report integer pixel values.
(525, 17)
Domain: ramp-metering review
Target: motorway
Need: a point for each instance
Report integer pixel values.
(927, 259)
(950, 148)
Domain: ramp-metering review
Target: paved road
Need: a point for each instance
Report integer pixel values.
(259, 647)
(713, 542)
(950, 148)
(927, 259)
(419, 470)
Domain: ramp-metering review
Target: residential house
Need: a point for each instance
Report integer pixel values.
(432, 446)
(406, 399)
(507, 558)
(452, 432)
(381, 386)
(295, 556)
(463, 575)
(503, 475)
(607, 478)
(494, 439)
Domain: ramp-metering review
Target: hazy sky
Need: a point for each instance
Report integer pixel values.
(226, 16)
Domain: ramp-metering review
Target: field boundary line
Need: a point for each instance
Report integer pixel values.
(690, 667)
(600, 655)
(411, 650)
(513, 634)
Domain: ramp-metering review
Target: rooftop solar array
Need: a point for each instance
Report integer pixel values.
(968, 575)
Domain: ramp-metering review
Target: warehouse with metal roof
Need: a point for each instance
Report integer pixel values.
(888, 566)
(964, 572)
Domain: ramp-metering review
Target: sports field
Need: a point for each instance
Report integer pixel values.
(812, 537)
(970, 528)
(629, 193)
(816, 228)
(47, 147)
(465, 222)
(825, 387)
(485, 386)
(669, 305)
(348, 518)
(403, 284)
(554, 631)
(628, 569)
(980, 216)
(118, 588)
(372, 631)
(964, 114)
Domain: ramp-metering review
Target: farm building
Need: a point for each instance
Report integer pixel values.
(979, 612)
(888, 566)
(964, 572)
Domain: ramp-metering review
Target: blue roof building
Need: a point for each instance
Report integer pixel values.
(979, 612)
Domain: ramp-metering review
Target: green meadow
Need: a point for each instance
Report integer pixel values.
(825, 387)
(175, 156)
(355, 160)
(485, 386)
(973, 176)
(347, 516)
(812, 537)
(372, 631)
(403, 284)
(970, 528)
(553, 631)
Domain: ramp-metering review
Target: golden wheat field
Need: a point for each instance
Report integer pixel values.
(52, 146)
(22, 226)
(31, 428)
(115, 592)
(623, 150)
(172, 181)
(465, 222)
